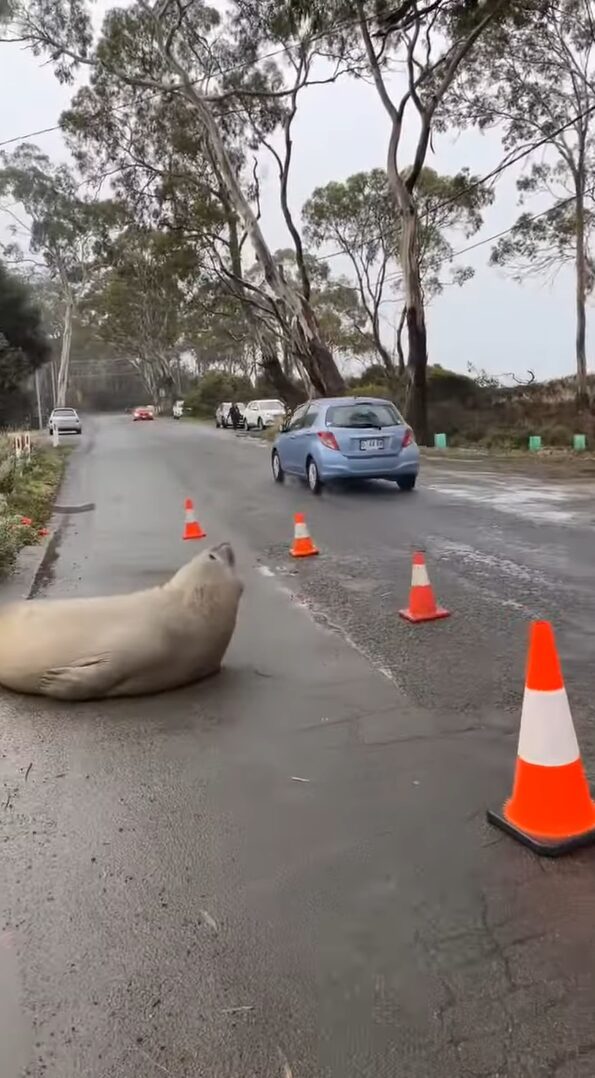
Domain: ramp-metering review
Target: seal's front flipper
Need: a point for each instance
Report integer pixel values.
(86, 679)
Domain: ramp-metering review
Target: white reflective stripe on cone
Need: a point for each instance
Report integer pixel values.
(301, 531)
(419, 576)
(547, 734)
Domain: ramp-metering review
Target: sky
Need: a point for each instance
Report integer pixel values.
(491, 322)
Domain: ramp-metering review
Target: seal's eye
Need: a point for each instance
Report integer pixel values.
(212, 557)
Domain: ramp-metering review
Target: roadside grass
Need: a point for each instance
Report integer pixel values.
(26, 494)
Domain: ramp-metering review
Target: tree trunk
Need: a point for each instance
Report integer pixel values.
(415, 320)
(64, 367)
(416, 325)
(582, 391)
(270, 364)
(383, 352)
(322, 369)
(288, 363)
(288, 392)
(400, 352)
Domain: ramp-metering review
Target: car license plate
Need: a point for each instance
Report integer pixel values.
(371, 443)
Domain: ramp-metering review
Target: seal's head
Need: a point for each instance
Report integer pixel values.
(210, 579)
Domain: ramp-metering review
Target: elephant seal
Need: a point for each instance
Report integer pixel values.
(124, 645)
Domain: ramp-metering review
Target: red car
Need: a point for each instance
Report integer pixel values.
(142, 413)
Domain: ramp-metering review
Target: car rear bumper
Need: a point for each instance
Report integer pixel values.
(334, 465)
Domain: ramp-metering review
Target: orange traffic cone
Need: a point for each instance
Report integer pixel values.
(422, 604)
(192, 529)
(551, 809)
(302, 546)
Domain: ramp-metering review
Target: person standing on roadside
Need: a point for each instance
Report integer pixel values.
(234, 415)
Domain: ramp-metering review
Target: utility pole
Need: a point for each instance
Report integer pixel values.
(38, 395)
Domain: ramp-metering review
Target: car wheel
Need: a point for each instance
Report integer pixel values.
(278, 473)
(407, 482)
(313, 477)
(260, 424)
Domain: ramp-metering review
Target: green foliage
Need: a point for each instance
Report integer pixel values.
(27, 492)
(339, 311)
(541, 245)
(529, 79)
(139, 303)
(380, 389)
(34, 486)
(215, 387)
(450, 385)
(60, 27)
(533, 81)
(66, 230)
(358, 217)
(23, 343)
(373, 374)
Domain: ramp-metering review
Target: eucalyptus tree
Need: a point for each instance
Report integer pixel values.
(152, 58)
(536, 84)
(60, 231)
(358, 218)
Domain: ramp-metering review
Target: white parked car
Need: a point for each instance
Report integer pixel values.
(65, 420)
(261, 414)
(222, 413)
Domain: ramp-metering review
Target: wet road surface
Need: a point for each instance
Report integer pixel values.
(286, 871)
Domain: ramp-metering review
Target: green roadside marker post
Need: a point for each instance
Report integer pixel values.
(579, 443)
(534, 443)
(440, 441)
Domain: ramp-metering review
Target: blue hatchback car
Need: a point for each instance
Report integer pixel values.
(346, 438)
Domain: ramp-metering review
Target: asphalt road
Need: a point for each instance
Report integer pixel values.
(285, 872)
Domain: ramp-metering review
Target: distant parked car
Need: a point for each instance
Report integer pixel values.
(263, 413)
(222, 414)
(346, 438)
(65, 421)
(144, 413)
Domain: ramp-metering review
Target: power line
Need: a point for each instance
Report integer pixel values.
(119, 371)
(496, 235)
(348, 24)
(495, 172)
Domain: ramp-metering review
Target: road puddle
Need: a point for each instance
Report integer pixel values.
(545, 504)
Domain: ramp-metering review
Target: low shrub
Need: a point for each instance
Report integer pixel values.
(215, 387)
(28, 493)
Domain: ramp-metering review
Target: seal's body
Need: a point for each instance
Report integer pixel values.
(124, 645)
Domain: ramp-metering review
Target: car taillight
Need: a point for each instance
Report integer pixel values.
(408, 438)
(328, 439)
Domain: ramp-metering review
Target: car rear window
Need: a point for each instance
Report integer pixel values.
(363, 414)
(270, 404)
(64, 411)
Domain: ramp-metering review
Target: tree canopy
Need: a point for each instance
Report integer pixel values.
(357, 216)
(188, 105)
